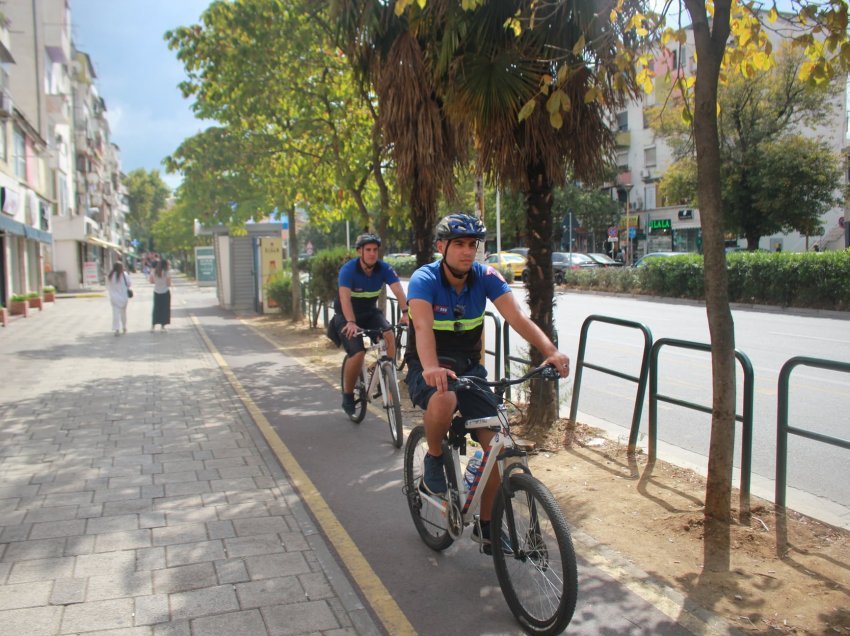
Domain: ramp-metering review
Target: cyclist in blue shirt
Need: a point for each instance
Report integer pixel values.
(356, 306)
(447, 300)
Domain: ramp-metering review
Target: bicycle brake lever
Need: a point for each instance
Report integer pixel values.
(549, 372)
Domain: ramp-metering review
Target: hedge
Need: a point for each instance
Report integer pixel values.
(818, 280)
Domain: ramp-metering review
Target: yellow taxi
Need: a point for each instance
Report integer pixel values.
(507, 260)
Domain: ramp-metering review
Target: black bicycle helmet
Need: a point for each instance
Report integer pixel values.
(459, 225)
(364, 239)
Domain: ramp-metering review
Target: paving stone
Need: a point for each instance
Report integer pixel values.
(57, 513)
(275, 591)
(176, 477)
(174, 628)
(107, 563)
(220, 529)
(68, 591)
(75, 546)
(118, 586)
(35, 621)
(27, 550)
(254, 544)
(249, 623)
(185, 577)
(186, 553)
(234, 511)
(181, 533)
(128, 540)
(231, 571)
(151, 519)
(210, 600)
(150, 559)
(18, 532)
(127, 507)
(312, 616)
(115, 523)
(98, 615)
(259, 525)
(272, 565)
(151, 609)
(69, 499)
(20, 595)
(51, 529)
(316, 586)
(41, 570)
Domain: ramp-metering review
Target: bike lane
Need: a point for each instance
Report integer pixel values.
(357, 475)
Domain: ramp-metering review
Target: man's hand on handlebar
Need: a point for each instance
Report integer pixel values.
(350, 330)
(561, 362)
(438, 377)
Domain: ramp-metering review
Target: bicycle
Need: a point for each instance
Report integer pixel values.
(401, 332)
(377, 378)
(531, 547)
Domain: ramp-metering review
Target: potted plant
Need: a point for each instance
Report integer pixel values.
(49, 292)
(18, 305)
(34, 300)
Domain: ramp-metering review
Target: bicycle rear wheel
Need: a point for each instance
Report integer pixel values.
(359, 395)
(400, 346)
(393, 404)
(538, 575)
(430, 522)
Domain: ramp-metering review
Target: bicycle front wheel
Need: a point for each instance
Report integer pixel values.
(536, 563)
(359, 395)
(392, 404)
(431, 522)
(400, 346)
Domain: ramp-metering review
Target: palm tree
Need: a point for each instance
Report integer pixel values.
(492, 74)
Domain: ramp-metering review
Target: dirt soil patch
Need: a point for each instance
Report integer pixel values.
(788, 574)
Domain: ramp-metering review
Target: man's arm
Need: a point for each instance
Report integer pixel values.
(350, 327)
(426, 345)
(398, 291)
(522, 324)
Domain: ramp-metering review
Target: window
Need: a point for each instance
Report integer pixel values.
(622, 121)
(649, 196)
(3, 155)
(649, 156)
(19, 156)
(623, 159)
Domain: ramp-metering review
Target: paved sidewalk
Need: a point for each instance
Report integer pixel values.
(135, 495)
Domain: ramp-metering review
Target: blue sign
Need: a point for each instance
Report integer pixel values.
(632, 232)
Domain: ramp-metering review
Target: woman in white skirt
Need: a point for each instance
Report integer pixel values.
(118, 287)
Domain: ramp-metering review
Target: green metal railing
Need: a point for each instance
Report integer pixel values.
(746, 418)
(506, 348)
(641, 379)
(782, 427)
(497, 352)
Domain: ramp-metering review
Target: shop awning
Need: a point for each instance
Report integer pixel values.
(21, 229)
(93, 240)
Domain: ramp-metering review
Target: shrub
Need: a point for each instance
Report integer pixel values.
(279, 290)
(32, 295)
(18, 298)
(324, 273)
(49, 289)
(403, 265)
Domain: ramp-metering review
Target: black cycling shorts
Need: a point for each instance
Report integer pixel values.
(354, 345)
(471, 403)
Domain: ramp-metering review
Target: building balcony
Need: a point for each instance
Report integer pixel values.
(59, 108)
(623, 139)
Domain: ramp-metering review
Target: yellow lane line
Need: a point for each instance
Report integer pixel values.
(379, 598)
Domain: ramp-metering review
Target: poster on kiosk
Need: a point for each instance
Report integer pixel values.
(271, 260)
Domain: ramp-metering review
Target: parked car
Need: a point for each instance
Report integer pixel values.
(507, 260)
(562, 261)
(604, 260)
(643, 260)
(522, 251)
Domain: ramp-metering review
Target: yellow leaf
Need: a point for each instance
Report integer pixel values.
(556, 120)
(563, 73)
(566, 104)
(579, 46)
(590, 95)
(686, 117)
(553, 104)
(422, 3)
(526, 111)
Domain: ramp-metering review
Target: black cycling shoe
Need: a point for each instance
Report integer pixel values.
(348, 403)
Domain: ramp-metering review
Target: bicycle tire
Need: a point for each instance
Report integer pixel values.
(540, 581)
(400, 346)
(359, 395)
(431, 524)
(393, 404)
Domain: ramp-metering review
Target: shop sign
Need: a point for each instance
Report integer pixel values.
(660, 224)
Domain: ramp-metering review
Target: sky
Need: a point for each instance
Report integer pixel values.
(137, 76)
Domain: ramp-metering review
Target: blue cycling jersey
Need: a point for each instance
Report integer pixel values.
(365, 288)
(458, 318)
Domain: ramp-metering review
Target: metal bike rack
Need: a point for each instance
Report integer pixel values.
(746, 418)
(641, 379)
(506, 337)
(782, 428)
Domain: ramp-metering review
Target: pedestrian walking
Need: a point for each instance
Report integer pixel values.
(161, 280)
(118, 287)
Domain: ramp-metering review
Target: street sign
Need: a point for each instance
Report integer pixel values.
(632, 232)
(612, 232)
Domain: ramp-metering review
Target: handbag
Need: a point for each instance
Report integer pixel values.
(129, 293)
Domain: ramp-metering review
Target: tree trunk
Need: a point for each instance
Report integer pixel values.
(296, 275)
(710, 47)
(423, 213)
(542, 409)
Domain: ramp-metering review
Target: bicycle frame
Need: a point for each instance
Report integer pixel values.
(471, 497)
(371, 378)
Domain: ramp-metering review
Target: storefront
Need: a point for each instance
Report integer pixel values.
(672, 230)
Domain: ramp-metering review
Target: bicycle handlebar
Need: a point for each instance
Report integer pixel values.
(464, 382)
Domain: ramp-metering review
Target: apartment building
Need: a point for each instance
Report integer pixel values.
(651, 224)
(63, 219)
